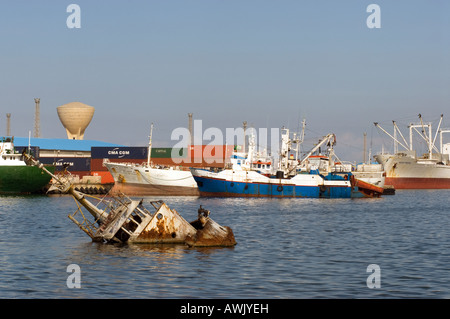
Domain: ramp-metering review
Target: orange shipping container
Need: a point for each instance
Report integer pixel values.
(106, 177)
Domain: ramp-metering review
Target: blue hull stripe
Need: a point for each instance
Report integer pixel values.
(219, 187)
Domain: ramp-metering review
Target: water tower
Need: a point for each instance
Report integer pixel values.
(75, 117)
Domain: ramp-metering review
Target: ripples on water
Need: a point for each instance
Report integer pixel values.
(287, 248)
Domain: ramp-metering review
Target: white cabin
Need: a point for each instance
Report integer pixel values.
(7, 155)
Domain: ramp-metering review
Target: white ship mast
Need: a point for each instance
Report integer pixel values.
(440, 137)
(149, 146)
(431, 142)
(285, 163)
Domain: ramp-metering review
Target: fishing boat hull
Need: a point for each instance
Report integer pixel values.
(153, 190)
(252, 184)
(147, 181)
(23, 179)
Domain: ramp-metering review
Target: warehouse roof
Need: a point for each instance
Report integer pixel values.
(61, 144)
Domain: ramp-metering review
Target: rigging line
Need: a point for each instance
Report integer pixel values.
(309, 130)
(382, 137)
(371, 138)
(400, 120)
(352, 146)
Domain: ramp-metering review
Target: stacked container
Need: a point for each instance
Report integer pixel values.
(200, 156)
(123, 154)
(80, 166)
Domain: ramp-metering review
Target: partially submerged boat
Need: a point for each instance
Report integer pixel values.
(119, 219)
(124, 220)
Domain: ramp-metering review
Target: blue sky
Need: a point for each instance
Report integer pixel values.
(270, 63)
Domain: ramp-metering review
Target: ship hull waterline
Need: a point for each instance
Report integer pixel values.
(418, 182)
(153, 190)
(211, 187)
(23, 179)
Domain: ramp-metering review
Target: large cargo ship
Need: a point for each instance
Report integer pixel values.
(405, 170)
(16, 177)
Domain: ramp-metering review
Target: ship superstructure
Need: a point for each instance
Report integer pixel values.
(406, 170)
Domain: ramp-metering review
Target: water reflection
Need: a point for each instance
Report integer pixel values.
(286, 248)
(89, 253)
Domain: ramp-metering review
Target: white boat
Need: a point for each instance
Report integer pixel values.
(147, 179)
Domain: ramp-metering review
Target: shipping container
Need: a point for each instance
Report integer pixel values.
(159, 152)
(201, 156)
(123, 152)
(80, 174)
(107, 178)
(197, 151)
(74, 163)
(209, 154)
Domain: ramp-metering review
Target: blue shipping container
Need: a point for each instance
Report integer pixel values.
(124, 152)
(75, 164)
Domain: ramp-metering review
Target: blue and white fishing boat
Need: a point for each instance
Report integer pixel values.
(290, 180)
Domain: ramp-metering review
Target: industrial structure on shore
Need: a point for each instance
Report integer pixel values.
(84, 158)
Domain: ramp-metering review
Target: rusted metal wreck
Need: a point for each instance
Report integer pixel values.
(119, 219)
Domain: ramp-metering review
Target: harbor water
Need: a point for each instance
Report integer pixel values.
(286, 249)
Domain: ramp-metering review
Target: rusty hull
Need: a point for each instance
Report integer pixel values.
(166, 226)
(127, 221)
(212, 234)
